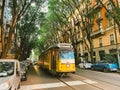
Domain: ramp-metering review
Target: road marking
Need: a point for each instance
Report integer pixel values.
(53, 85)
(42, 86)
(75, 83)
(89, 81)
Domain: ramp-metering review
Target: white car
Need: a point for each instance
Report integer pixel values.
(85, 65)
(10, 77)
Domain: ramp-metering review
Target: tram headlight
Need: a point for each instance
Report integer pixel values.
(68, 65)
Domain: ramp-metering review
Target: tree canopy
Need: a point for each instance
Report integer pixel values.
(21, 30)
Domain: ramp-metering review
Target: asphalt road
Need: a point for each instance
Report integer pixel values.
(81, 80)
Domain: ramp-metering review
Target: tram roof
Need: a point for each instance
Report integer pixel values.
(62, 46)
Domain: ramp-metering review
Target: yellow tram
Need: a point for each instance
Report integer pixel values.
(58, 59)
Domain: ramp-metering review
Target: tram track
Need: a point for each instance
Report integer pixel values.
(61, 80)
(76, 77)
(79, 78)
(100, 80)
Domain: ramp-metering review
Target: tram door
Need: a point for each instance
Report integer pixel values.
(53, 61)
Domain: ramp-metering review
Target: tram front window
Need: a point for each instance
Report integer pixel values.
(66, 54)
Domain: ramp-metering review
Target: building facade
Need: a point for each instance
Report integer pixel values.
(106, 36)
(104, 33)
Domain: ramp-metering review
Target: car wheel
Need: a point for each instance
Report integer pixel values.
(92, 68)
(105, 69)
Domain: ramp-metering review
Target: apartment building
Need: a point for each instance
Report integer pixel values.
(105, 34)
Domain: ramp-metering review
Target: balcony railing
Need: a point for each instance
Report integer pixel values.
(97, 33)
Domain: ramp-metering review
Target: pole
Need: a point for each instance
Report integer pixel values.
(118, 57)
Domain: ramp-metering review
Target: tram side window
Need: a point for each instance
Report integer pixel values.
(67, 55)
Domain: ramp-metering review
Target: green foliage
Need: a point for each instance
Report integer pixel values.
(110, 58)
(28, 29)
(50, 26)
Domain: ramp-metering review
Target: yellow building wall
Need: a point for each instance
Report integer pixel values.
(103, 17)
(106, 38)
(105, 20)
(95, 26)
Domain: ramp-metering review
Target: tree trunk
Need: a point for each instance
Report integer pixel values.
(10, 39)
(2, 26)
(91, 49)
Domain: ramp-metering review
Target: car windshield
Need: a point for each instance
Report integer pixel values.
(66, 54)
(6, 68)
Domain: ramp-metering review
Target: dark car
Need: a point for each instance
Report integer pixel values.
(23, 71)
(104, 66)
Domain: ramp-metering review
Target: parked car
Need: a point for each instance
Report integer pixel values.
(104, 66)
(27, 64)
(85, 65)
(23, 71)
(9, 74)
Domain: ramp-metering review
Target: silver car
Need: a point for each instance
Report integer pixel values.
(85, 65)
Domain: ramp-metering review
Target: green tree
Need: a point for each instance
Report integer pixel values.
(17, 8)
(28, 30)
(52, 25)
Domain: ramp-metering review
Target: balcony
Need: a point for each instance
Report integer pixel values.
(97, 33)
